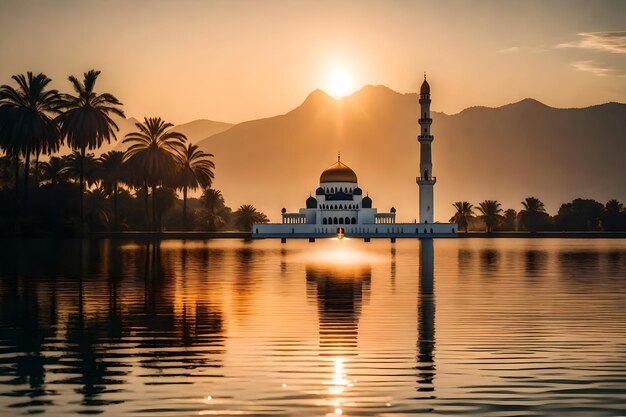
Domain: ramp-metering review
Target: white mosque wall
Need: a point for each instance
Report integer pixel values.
(268, 230)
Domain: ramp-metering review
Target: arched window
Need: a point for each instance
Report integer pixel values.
(431, 230)
(324, 221)
(354, 221)
(425, 231)
(453, 230)
(417, 231)
(340, 206)
(341, 220)
(347, 220)
(335, 221)
(357, 206)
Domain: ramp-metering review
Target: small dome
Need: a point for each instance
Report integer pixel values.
(311, 202)
(358, 191)
(320, 191)
(338, 172)
(367, 202)
(425, 89)
(284, 210)
(393, 210)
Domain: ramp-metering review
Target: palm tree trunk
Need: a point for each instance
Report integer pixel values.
(17, 175)
(82, 186)
(147, 192)
(36, 175)
(26, 169)
(154, 224)
(115, 223)
(185, 208)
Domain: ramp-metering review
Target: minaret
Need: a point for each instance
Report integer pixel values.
(425, 181)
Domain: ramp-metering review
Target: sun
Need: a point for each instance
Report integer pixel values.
(339, 83)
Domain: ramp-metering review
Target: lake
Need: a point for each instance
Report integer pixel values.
(484, 327)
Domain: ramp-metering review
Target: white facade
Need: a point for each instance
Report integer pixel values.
(339, 202)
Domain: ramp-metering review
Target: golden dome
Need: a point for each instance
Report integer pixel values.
(338, 172)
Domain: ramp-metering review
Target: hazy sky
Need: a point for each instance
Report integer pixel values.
(237, 60)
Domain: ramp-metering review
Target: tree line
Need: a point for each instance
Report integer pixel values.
(133, 190)
(578, 215)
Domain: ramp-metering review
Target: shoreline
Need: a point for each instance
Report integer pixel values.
(179, 235)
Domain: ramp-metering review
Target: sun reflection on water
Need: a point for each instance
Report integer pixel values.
(337, 386)
(339, 252)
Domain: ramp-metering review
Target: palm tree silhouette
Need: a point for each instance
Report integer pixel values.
(152, 153)
(86, 121)
(85, 167)
(196, 170)
(510, 217)
(28, 119)
(464, 212)
(533, 213)
(54, 170)
(247, 215)
(490, 212)
(112, 173)
(215, 208)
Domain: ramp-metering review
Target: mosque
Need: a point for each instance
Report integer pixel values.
(340, 207)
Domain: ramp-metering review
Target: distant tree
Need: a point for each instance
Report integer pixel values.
(215, 209)
(152, 154)
(246, 216)
(509, 221)
(464, 212)
(98, 208)
(86, 121)
(195, 171)
(7, 172)
(112, 174)
(580, 215)
(28, 119)
(82, 167)
(166, 197)
(533, 216)
(490, 213)
(54, 170)
(614, 216)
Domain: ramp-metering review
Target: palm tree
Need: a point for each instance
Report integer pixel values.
(247, 215)
(613, 207)
(28, 118)
(464, 212)
(86, 121)
(215, 208)
(98, 207)
(533, 214)
(196, 170)
(510, 218)
(112, 172)
(85, 167)
(152, 153)
(54, 170)
(490, 213)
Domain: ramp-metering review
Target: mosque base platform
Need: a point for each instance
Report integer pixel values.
(364, 231)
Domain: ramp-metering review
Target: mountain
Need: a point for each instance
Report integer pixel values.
(506, 153)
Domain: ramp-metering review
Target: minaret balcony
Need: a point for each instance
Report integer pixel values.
(425, 138)
(425, 120)
(426, 181)
(424, 100)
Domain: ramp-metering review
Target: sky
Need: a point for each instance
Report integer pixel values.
(235, 60)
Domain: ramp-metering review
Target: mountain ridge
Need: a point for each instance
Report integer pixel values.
(275, 162)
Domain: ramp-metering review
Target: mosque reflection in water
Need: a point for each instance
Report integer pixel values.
(341, 292)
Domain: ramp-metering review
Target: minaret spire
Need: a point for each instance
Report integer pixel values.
(426, 180)
(338, 156)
